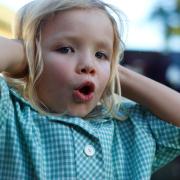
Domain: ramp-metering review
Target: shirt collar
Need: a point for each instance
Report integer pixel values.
(85, 123)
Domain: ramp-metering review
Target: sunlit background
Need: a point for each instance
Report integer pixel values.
(152, 45)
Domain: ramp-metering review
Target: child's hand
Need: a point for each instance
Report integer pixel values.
(12, 58)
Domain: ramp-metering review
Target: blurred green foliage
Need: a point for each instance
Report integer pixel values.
(169, 16)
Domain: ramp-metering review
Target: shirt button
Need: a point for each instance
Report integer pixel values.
(89, 150)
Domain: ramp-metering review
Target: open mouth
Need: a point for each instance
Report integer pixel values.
(86, 88)
(84, 92)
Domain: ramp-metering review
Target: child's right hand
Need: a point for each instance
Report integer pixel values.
(12, 57)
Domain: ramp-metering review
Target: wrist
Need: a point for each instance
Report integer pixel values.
(132, 84)
(125, 79)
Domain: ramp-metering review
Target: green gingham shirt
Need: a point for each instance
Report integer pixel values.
(39, 147)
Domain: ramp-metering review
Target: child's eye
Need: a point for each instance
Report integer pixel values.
(101, 55)
(65, 50)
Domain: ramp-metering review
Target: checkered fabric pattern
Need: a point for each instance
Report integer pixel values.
(39, 147)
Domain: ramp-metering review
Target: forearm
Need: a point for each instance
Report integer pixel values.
(161, 100)
(11, 56)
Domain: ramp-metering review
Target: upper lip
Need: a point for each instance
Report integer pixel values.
(87, 84)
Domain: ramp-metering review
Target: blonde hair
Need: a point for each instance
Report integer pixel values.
(28, 25)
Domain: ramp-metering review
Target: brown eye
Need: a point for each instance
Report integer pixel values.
(65, 50)
(101, 55)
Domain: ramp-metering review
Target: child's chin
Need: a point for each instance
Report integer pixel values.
(78, 114)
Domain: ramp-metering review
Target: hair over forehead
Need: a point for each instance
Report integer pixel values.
(56, 5)
(40, 10)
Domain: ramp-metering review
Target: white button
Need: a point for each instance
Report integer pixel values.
(89, 150)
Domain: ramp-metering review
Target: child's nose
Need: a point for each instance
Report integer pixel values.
(88, 69)
(86, 64)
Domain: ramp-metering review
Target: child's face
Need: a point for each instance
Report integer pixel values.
(77, 47)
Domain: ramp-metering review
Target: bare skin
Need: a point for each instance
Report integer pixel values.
(161, 100)
(12, 56)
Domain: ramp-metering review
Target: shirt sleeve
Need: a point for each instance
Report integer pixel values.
(166, 135)
(5, 102)
(167, 138)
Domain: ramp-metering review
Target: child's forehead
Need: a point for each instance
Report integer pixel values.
(68, 17)
(95, 10)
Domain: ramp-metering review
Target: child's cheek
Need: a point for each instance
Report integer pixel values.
(105, 69)
(60, 71)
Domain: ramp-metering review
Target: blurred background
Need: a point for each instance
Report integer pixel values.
(152, 46)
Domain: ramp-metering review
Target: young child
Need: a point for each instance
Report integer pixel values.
(61, 117)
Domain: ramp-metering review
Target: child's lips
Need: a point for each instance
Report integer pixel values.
(80, 97)
(84, 92)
